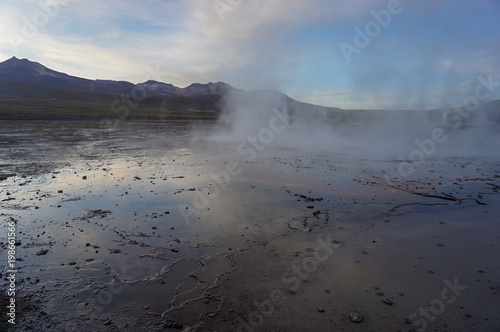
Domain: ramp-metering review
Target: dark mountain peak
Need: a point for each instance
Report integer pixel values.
(209, 88)
(14, 62)
(25, 70)
(152, 82)
(159, 88)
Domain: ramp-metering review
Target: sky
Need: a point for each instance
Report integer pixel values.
(372, 54)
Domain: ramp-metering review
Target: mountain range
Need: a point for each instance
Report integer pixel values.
(29, 90)
(24, 70)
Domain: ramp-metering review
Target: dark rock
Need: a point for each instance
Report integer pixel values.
(42, 252)
(173, 325)
(388, 302)
(356, 317)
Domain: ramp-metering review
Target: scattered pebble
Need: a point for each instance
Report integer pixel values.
(356, 317)
(388, 302)
(42, 252)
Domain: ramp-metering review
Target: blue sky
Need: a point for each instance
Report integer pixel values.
(426, 54)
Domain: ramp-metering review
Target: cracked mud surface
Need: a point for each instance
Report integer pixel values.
(292, 243)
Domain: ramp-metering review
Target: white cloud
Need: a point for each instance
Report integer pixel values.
(291, 45)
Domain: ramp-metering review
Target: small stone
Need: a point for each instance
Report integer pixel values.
(60, 191)
(356, 317)
(72, 263)
(310, 206)
(388, 302)
(84, 177)
(42, 252)
(321, 310)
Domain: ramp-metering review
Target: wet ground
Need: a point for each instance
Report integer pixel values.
(141, 228)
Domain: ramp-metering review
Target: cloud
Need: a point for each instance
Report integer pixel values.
(418, 60)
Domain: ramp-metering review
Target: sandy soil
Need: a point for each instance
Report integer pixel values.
(139, 229)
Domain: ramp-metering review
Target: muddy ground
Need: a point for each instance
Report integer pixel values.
(141, 228)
